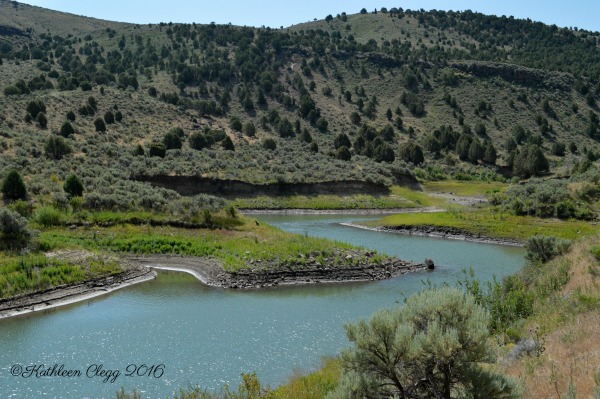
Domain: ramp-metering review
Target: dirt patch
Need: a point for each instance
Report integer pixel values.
(458, 200)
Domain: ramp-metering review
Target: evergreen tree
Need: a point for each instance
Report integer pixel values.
(490, 154)
(198, 141)
(341, 140)
(228, 144)
(67, 129)
(305, 136)
(109, 118)
(158, 150)
(100, 125)
(269, 144)
(42, 120)
(462, 146)
(172, 141)
(476, 151)
(13, 188)
(139, 151)
(56, 148)
(343, 153)
(73, 186)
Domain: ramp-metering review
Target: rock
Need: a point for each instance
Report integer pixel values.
(429, 264)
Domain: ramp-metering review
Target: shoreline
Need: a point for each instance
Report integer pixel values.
(370, 211)
(208, 272)
(439, 232)
(66, 295)
(268, 274)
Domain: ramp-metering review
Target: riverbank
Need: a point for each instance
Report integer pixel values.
(361, 266)
(250, 212)
(439, 232)
(68, 294)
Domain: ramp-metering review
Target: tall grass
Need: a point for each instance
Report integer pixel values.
(25, 274)
(235, 249)
(493, 224)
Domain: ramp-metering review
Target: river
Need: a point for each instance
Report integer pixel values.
(195, 334)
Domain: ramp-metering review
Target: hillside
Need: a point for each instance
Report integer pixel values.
(365, 97)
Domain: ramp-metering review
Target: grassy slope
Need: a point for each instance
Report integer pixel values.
(491, 224)
(40, 20)
(570, 326)
(234, 249)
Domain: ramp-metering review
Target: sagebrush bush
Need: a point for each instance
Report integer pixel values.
(544, 248)
(14, 230)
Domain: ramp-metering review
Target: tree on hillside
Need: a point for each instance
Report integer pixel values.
(158, 150)
(341, 140)
(100, 125)
(42, 120)
(411, 152)
(433, 347)
(56, 148)
(34, 107)
(343, 153)
(109, 118)
(66, 130)
(73, 186)
(172, 140)
(530, 161)
(13, 188)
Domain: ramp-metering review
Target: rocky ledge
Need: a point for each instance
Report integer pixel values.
(338, 266)
(446, 232)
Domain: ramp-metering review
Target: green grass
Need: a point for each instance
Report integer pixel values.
(25, 274)
(233, 248)
(492, 224)
(418, 198)
(464, 188)
(315, 385)
(595, 251)
(323, 202)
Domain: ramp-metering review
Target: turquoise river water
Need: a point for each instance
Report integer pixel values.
(193, 334)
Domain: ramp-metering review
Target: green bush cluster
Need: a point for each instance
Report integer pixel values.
(549, 198)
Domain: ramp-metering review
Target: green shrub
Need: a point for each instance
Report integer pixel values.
(543, 248)
(158, 150)
(49, 216)
(595, 251)
(14, 230)
(269, 144)
(437, 342)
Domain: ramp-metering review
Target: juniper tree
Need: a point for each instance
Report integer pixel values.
(13, 188)
(73, 186)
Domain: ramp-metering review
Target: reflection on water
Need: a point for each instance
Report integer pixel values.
(209, 336)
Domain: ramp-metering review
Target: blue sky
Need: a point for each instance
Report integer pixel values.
(580, 13)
